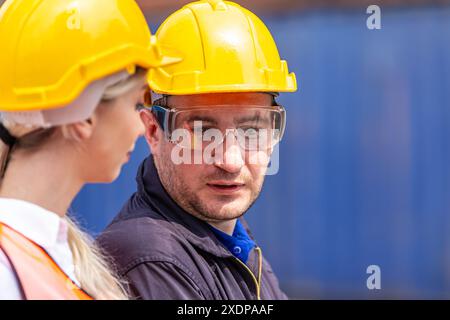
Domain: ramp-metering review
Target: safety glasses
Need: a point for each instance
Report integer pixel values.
(253, 127)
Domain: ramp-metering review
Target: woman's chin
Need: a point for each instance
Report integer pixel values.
(115, 175)
(107, 177)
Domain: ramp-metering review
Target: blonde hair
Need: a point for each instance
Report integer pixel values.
(92, 268)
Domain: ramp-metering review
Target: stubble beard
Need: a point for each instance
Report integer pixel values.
(188, 200)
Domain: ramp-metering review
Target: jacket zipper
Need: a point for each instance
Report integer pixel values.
(257, 282)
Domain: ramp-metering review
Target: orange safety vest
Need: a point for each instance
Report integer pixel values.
(39, 276)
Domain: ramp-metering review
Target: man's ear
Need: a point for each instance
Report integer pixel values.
(153, 134)
(82, 130)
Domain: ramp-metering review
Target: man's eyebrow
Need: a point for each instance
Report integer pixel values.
(202, 118)
(253, 118)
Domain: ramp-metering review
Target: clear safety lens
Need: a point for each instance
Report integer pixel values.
(252, 127)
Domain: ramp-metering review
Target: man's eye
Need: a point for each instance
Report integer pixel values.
(204, 129)
(197, 129)
(250, 129)
(198, 126)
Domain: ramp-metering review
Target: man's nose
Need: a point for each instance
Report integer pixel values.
(229, 157)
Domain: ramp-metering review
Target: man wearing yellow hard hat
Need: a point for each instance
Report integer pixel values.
(212, 126)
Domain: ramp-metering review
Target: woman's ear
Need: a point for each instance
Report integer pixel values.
(152, 130)
(82, 130)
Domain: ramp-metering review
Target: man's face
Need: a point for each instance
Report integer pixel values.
(227, 187)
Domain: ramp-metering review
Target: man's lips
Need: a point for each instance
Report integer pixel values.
(225, 187)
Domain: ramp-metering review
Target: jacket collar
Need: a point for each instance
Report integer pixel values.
(196, 231)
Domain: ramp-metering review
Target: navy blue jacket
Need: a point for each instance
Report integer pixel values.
(166, 253)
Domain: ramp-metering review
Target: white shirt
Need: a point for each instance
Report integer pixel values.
(43, 227)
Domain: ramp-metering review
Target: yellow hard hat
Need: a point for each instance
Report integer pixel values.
(52, 49)
(225, 48)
